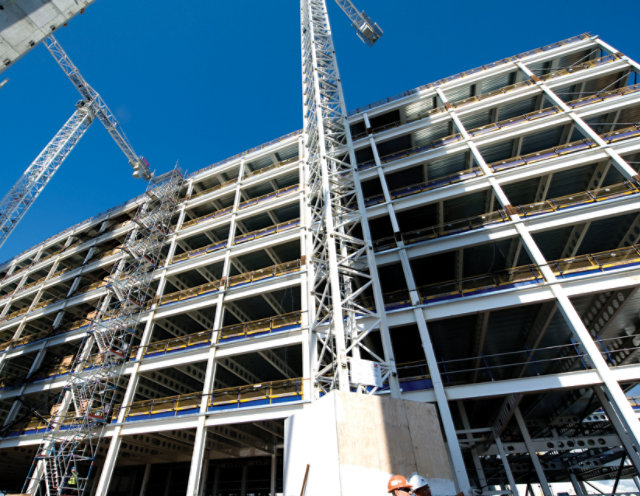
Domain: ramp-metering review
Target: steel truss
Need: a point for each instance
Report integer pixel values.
(340, 263)
(65, 459)
(24, 193)
(102, 111)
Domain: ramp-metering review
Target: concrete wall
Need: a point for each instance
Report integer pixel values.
(25, 24)
(353, 444)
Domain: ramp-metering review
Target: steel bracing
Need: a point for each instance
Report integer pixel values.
(65, 459)
(340, 261)
(21, 196)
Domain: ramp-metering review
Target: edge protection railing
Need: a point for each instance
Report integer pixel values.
(498, 216)
(517, 276)
(282, 226)
(470, 72)
(244, 204)
(267, 392)
(597, 97)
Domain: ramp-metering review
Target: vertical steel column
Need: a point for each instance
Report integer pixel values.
(145, 479)
(274, 466)
(453, 444)
(544, 484)
(505, 464)
(199, 445)
(482, 480)
(576, 485)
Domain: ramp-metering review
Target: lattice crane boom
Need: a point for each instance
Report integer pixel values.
(102, 112)
(24, 193)
(367, 30)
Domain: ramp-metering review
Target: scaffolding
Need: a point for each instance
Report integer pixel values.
(65, 459)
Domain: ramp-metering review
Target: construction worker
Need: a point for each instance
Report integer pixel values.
(73, 480)
(399, 486)
(419, 485)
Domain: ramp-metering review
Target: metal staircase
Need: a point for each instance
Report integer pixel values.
(65, 459)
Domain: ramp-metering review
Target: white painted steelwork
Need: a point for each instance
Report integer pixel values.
(340, 263)
(21, 196)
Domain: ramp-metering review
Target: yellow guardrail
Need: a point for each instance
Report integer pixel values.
(244, 278)
(234, 331)
(264, 393)
(597, 97)
(470, 72)
(527, 210)
(218, 245)
(531, 273)
(244, 204)
(270, 324)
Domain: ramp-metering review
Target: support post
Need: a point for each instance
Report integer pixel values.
(145, 479)
(532, 453)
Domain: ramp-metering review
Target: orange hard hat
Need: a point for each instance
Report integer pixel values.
(398, 482)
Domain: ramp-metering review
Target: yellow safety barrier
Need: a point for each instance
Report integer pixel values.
(267, 325)
(597, 262)
(263, 393)
(470, 72)
(277, 165)
(527, 210)
(172, 344)
(267, 272)
(507, 122)
(244, 278)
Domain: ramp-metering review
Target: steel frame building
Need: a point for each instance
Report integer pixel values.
(503, 209)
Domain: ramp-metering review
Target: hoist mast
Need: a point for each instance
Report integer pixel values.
(344, 300)
(24, 193)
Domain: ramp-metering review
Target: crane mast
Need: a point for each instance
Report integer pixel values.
(23, 194)
(102, 112)
(341, 267)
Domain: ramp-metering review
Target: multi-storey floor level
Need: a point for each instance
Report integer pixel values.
(504, 208)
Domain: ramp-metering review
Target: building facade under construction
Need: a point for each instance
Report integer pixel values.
(503, 210)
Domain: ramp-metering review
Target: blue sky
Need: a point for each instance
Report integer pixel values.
(209, 79)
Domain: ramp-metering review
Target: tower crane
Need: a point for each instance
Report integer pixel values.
(25, 191)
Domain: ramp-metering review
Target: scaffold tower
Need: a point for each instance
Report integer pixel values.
(65, 459)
